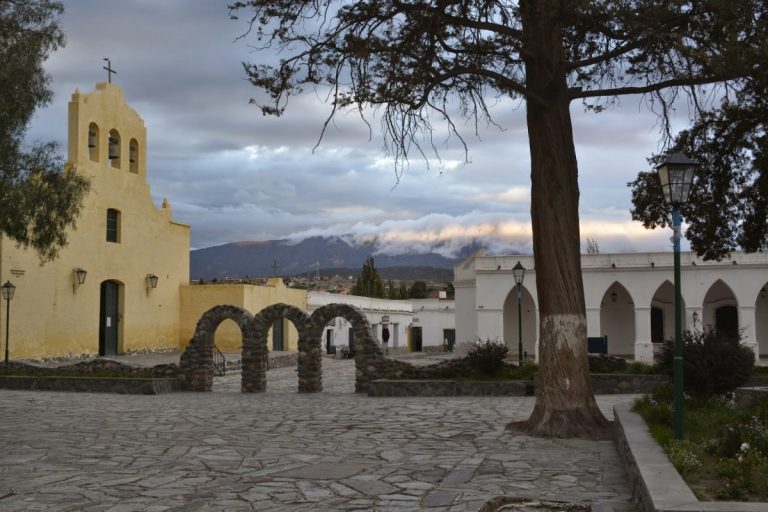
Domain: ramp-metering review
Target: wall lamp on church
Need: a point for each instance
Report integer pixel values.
(79, 278)
(151, 280)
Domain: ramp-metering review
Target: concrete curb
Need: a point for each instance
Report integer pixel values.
(656, 484)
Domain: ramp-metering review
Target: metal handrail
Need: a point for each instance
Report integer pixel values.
(219, 364)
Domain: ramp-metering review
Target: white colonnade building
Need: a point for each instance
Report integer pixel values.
(629, 298)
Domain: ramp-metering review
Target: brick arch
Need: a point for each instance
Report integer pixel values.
(195, 366)
(255, 354)
(367, 351)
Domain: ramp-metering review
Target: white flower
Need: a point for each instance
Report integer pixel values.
(744, 447)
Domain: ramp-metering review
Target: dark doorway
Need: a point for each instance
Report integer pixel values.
(329, 347)
(277, 335)
(415, 339)
(108, 318)
(449, 339)
(657, 325)
(727, 321)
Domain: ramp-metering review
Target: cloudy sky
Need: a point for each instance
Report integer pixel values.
(234, 174)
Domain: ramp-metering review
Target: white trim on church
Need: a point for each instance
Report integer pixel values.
(622, 292)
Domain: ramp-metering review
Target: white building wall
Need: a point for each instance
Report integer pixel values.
(434, 316)
(399, 311)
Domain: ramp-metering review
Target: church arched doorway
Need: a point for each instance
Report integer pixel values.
(109, 318)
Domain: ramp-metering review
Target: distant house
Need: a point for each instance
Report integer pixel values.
(629, 299)
(414, 325)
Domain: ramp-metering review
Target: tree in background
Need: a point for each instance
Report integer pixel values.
(728, 206)
(418, 290)
(392, 291)
(369, 284)
(421, 63)
(403, 291)
(39, 199)
(592, 247)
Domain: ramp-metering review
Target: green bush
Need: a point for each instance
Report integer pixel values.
(714, 362)
(487, 357)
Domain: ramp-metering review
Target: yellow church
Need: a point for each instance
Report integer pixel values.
(122, 282)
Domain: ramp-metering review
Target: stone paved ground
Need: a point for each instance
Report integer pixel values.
(283, 451)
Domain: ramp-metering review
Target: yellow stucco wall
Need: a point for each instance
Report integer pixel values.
(47, 317)
(197, 299)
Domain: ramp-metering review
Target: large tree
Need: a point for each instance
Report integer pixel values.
(417, 61)
(369, 284)
(728, 207)
(39, 199)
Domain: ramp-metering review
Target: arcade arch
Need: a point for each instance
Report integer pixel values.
(720, 308)
(617, 320)
(511, 323)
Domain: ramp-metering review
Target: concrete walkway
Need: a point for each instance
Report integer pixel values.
(226, 451)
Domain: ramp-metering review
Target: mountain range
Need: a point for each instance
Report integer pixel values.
(328, 254)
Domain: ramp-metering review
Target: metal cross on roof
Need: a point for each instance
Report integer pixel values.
(109, 69)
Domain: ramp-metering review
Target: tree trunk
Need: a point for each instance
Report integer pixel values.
(565, 406)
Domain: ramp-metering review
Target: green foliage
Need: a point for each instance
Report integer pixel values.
(728, 206)
(487, 357)
(638, 368)
(683, 455)
(369, 284)
(714, 362)
(720, 441)
(392, 291)
(418, 290)
(402, 291)
(39, 199)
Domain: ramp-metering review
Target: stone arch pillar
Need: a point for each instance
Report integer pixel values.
(195, 366)
(368, 355)
(255, 354)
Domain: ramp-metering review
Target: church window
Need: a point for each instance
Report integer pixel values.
(133, 156)
(93, 142)
(113, 225)
(114, 149)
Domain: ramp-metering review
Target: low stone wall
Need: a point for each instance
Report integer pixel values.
(426, 381)
(384, 388)
(748, 396)
(620, 384)
(283, 360)
(120, 385)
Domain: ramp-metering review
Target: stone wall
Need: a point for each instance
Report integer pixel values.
(385, 388)
(618, 384)
(121, 385)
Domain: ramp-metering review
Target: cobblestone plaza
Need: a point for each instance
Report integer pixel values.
(279, 450)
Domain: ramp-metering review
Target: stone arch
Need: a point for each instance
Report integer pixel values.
(617, 319)
(255, 353)
(367, 352)
(195, 366)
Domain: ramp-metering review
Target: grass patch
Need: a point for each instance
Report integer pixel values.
(724, 455)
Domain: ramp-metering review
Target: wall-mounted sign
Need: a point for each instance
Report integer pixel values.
(385, 319)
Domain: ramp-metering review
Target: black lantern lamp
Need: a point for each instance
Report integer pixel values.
(151, 282)
(79, 275)
(676, 177)
(8, 290)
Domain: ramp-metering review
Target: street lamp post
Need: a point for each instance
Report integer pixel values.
(8, 290)
(519, 272)
(676, 176)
